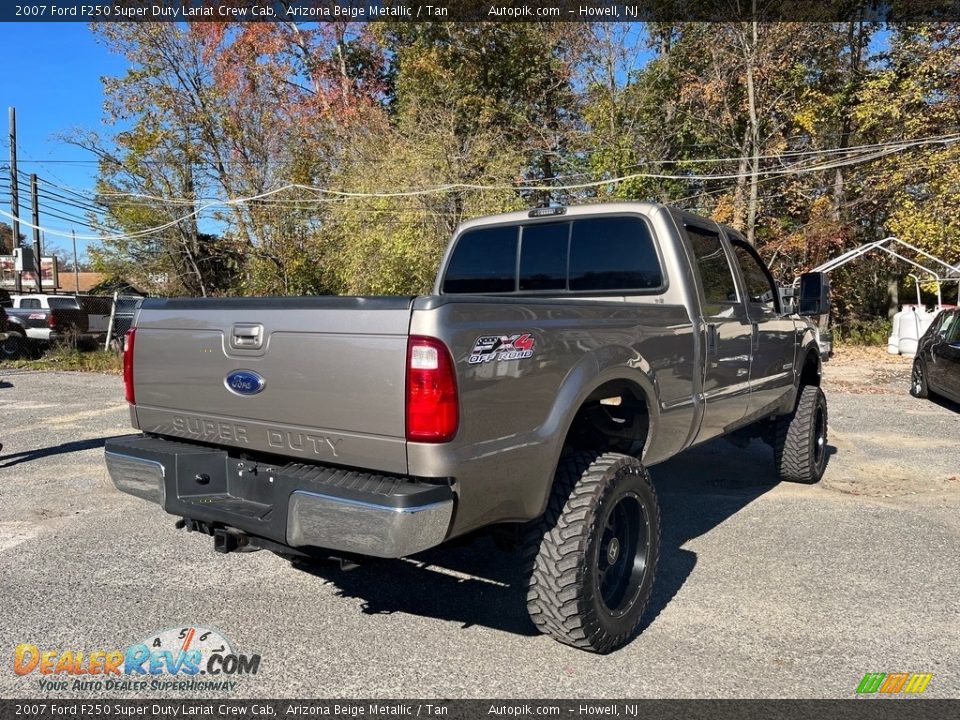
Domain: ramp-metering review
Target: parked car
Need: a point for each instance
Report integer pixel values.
(936, 368)
(39, 320)
(562, 352)
(11, 344)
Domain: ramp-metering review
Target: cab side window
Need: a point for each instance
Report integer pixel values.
(716, 275)
(761, 291)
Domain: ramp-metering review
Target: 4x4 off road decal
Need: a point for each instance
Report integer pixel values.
(502, 347)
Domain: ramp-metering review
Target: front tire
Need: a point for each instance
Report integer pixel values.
(918, 380)
(592, 556)
(800, 439)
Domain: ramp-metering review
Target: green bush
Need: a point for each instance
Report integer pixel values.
(864, 332)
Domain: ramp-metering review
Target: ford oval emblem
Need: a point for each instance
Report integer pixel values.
(244, 382)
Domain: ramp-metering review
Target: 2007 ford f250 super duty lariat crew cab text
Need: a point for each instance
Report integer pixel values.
(563, 351)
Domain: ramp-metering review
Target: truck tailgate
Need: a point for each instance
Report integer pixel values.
(319, 377)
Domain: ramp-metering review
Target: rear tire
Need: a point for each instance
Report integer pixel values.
(800, 440)
(918, 379)
(592, 556)
(14, 347)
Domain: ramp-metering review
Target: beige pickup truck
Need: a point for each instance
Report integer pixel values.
(562, 352)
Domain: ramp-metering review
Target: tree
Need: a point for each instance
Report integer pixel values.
(394, 245)
(6, 239)
(917, 95)
(512, 79)
(755, 124)
(466, 104)
(216, 110)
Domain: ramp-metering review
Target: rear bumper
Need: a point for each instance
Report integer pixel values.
(297, 505)
(43, 334)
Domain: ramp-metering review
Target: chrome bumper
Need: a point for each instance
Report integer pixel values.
(299, 506)
(137, 476)
(365, 528)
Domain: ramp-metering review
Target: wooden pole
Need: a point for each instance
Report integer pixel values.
(14, 192)
(76, 267)
(36, 231)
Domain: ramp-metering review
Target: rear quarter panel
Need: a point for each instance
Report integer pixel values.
(514, 414)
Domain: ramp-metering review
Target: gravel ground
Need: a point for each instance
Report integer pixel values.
(764, 590)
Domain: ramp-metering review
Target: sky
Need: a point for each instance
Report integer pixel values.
(51, 74)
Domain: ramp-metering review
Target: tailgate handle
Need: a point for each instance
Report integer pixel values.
(247, 336)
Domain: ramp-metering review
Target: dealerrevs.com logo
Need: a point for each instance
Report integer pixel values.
(894, 683)
(190, 658)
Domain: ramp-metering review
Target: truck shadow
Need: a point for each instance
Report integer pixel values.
(16, 458)
(473, 582)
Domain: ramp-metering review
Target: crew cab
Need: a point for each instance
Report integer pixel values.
(561, 353)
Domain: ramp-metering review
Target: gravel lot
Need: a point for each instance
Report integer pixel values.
(764, 590)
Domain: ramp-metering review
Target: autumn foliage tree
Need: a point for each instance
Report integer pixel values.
(321, 142)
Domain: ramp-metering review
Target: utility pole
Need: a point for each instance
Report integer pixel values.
(14, 193)
(36, 231)
(76, 267)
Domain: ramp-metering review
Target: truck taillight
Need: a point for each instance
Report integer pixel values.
(128, 340)
(433, 411)
(52, 319)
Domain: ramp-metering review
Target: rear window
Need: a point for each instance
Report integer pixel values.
(599, 254)
(613, 253)
(484, 261)
(63, 303)
(543, 257)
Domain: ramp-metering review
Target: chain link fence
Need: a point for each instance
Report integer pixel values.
(124, 307)
(98, 309)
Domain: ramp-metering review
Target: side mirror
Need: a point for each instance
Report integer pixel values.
(814, 293)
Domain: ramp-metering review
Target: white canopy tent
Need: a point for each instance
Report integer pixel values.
(939, 271)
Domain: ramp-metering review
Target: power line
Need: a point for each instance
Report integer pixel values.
(776, 156)
(889, 145)
(882, 150)
(798, 168)
(64, 200)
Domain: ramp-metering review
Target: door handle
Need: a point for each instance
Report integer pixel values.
(247, 336)
(754, 337)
